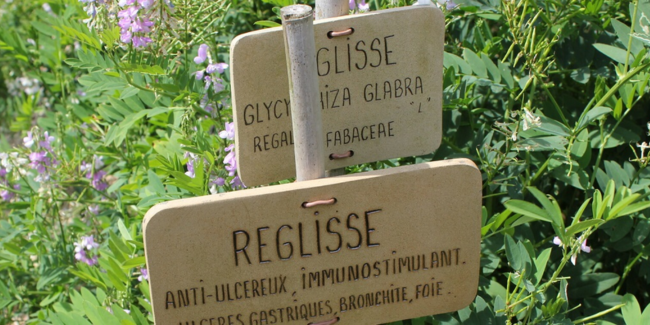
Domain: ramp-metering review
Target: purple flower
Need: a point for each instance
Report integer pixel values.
(199, 74)
(82, 256)
(202, 55)
(229, 132)
(130, 12)
(94, 209)
(236, 183)
(141, 25)
(125, 23)
(146, 4)
(230, 160)
(6, 195)
(190, 168)
(28, 140)
(124, 3)
(219, 181)
(353, 4)
(144, 274)
(3, 172)
(99, 161)
(218, 85)
(363, 7)
(82, 248)
(97, 180)
(126, 37)
(141, 41)
(39, 161)
(216, 67)
(88, 242)
(47, 144)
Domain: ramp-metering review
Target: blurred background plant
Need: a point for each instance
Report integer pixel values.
(108, 107)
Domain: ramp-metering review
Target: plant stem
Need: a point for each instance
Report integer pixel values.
(596, 315)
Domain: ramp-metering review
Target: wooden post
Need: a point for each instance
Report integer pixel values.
(300, 49)
(331, 8)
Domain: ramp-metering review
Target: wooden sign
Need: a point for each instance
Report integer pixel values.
(380, 91)
(375, 247)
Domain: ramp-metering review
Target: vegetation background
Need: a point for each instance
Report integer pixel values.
(108, 107)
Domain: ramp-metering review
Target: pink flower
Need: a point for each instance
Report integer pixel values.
(583, 247)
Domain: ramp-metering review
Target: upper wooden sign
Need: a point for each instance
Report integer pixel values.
(392, 244)
(381, 91)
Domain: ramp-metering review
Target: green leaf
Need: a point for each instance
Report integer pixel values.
(44, 28)
(632, 208)
(631, 310)
(517, 254)
(528, 209)
(280, 3)
(476, 63)
(172, 88)
(134, 262)
(267, 23)
(614, 53)
(104, 317)
(146, 69)
(493, 71)
(506, 75)
(49, 276)
(620, 205)
(540, 264)
(455, 61)
(580, 226)
(588, 285)
(552, 127)
(123, 231)
(645, 317)
(155, 183)
(590, 116)
(552, 210)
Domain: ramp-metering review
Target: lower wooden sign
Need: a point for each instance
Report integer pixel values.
(365, 248)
